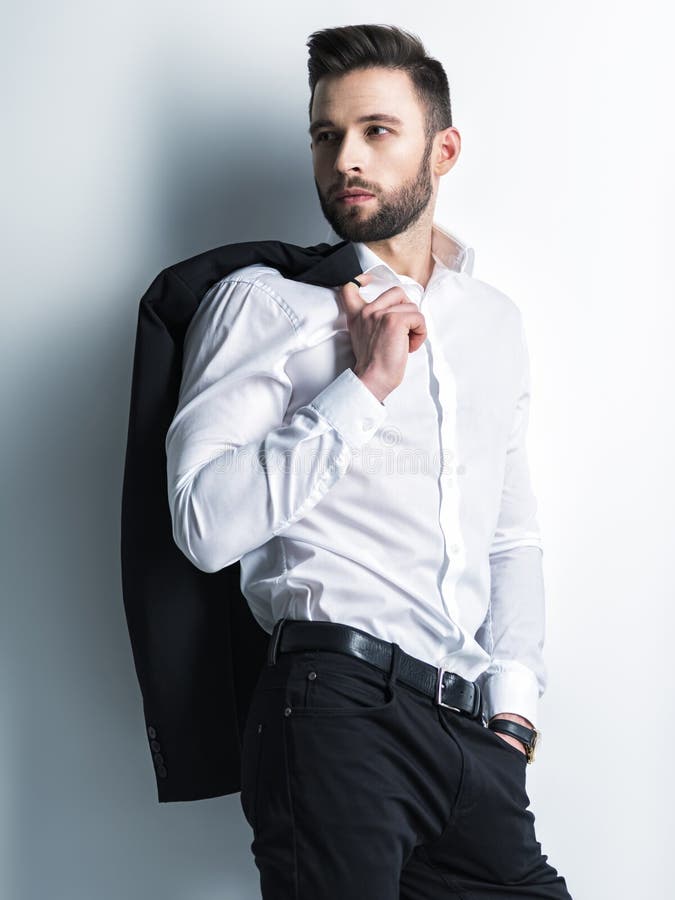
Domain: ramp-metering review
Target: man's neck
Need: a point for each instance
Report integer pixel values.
(408, 254)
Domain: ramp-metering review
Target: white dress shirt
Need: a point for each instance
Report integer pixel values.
(413, 519)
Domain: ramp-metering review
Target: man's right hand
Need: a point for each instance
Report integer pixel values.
(383, 332)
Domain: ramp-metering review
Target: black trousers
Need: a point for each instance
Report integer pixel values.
(358, 786)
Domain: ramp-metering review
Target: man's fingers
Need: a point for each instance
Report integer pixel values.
(413, 321)
(351, 299)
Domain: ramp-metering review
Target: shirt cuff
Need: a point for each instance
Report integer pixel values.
(511, 691)
(351, 408)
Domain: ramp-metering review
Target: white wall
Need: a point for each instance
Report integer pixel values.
(140, 134)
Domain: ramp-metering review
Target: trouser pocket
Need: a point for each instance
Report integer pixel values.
(327, 683)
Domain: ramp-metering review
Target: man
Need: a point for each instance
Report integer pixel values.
(361, 452)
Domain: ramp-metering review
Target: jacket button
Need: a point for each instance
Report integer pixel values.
(155, 745)
(161, 771)
(151, 731)
(158, 758)
(312, 676)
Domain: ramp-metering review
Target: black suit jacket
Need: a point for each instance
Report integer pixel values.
(196, 646)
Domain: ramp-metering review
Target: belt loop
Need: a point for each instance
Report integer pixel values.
(273, 645)
(394, 666)
(479, 705)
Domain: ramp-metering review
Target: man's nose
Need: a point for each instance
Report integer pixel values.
(349, 156)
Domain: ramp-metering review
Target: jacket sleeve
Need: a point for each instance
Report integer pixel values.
(237, 472)
(514, 627)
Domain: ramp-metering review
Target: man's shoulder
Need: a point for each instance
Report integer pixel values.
(302, 301)
(259, 275)
(487, 292)
(491, 301)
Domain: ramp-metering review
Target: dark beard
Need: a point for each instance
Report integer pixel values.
(392, 216)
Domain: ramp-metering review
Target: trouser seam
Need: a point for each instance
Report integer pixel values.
(296, 891)
(451, 882)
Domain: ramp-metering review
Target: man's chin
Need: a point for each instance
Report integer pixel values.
(355, 237)
(344, 228)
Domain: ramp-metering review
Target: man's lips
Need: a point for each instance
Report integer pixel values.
(356, 198)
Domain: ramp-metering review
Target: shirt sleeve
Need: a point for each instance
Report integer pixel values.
(514, 627)
(237, 473)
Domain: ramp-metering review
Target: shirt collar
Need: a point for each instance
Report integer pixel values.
(447, 249)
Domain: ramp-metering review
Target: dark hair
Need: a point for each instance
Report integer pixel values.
(335, 51)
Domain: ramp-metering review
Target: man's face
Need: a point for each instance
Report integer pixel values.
(388, 159)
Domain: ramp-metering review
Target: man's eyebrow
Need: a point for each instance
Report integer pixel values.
(373, 117)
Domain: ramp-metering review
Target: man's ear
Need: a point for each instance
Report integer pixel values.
(449, 145)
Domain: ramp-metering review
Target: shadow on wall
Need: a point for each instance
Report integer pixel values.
(236, 184)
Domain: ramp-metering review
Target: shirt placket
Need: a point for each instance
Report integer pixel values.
(454, 557)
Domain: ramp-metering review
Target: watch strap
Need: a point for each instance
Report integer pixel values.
(528, 736)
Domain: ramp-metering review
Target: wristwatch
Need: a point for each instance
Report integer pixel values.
(530, 737)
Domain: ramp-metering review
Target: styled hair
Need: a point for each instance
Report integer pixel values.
(335, 51)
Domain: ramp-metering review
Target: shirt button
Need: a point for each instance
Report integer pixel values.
(368, 424)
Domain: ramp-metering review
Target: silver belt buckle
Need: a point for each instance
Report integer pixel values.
(439, 690)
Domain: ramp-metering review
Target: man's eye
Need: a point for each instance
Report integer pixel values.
(322, 134)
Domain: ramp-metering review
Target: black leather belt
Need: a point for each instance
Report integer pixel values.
(446, 688)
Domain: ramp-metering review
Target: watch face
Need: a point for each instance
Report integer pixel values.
(536, 739)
